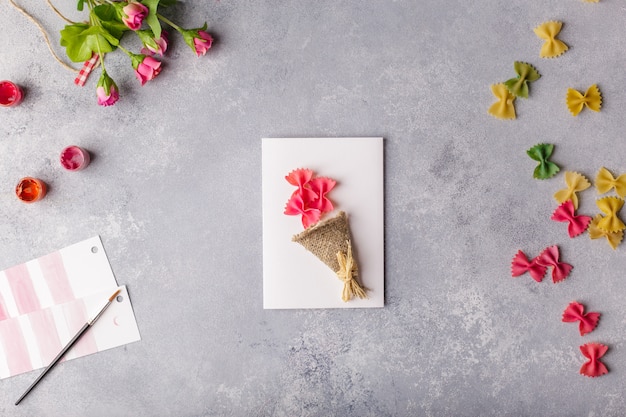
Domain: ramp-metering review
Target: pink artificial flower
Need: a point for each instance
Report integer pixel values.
(161, 45)
(147, 69)
(135, 14)
(107, 100)
(295, 206)
(203, 42)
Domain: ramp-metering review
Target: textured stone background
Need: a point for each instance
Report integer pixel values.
(174, 191)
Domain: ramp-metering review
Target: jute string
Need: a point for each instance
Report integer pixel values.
(43, 31)
(347, 273)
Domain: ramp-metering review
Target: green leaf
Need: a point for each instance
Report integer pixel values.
(80, 4)
(147, 38)
(82, 40)
(152, 20)
(110, 20)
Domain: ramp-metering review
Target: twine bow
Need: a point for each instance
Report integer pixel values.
(347, 273)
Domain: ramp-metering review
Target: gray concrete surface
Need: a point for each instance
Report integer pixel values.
(174, 191)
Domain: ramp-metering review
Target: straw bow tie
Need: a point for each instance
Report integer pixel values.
(347, 273)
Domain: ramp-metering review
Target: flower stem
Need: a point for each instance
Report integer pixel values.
(126, 51)
(169, 22)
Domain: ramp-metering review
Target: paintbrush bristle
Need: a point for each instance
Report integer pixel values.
(111, 298)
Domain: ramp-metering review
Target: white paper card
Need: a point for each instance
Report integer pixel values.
(294, 277)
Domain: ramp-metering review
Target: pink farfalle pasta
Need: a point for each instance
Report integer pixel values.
(520, 265)
(320, 187)
(593, 367)
(566, 213)
(296, 206)
(309, 200)
(576, 312)
(550, 258)
(300, 178)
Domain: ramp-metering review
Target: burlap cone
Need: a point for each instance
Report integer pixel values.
(329, 240)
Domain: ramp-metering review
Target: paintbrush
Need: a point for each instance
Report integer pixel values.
(69, 345)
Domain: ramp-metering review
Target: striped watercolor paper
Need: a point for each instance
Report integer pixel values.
(45, 301)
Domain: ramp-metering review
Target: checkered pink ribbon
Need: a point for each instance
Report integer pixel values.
(88, 66)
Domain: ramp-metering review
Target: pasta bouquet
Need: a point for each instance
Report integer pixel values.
(328, 239)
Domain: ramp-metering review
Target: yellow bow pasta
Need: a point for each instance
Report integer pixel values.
(605, 182)
(552, 47)
(595, 232)
(575, 182)
(503, 108)
(610, 206)
(576, 101)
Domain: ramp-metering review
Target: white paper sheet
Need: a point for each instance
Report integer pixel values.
(44, 302)
(294, 277)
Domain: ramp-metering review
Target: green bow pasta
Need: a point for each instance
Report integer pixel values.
(541, 153)
(526, 73)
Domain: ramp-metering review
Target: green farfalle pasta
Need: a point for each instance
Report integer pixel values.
(541, 153)
(526, 73)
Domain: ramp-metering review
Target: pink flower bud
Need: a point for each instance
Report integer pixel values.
(161, 46)
(135, 14)
(203, 42)
(107, 100)
(147, 69)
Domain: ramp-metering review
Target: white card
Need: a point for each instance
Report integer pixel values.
(294, 277)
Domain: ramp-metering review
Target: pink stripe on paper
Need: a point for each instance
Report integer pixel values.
(14, 347)
(22, 288)
(47, 335)
(53, 270)
(76, 316)
(3, 311)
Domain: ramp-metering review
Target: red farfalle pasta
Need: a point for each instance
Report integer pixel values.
(566, 213)
(576, 312)
(593, 367)
(520, 265)
(550, 257)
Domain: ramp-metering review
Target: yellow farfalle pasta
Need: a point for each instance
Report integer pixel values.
(575, 182)
(595, 232)
(610, 206)
(503, 108)
(605, 182)
(576, 101)
(552, 47)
